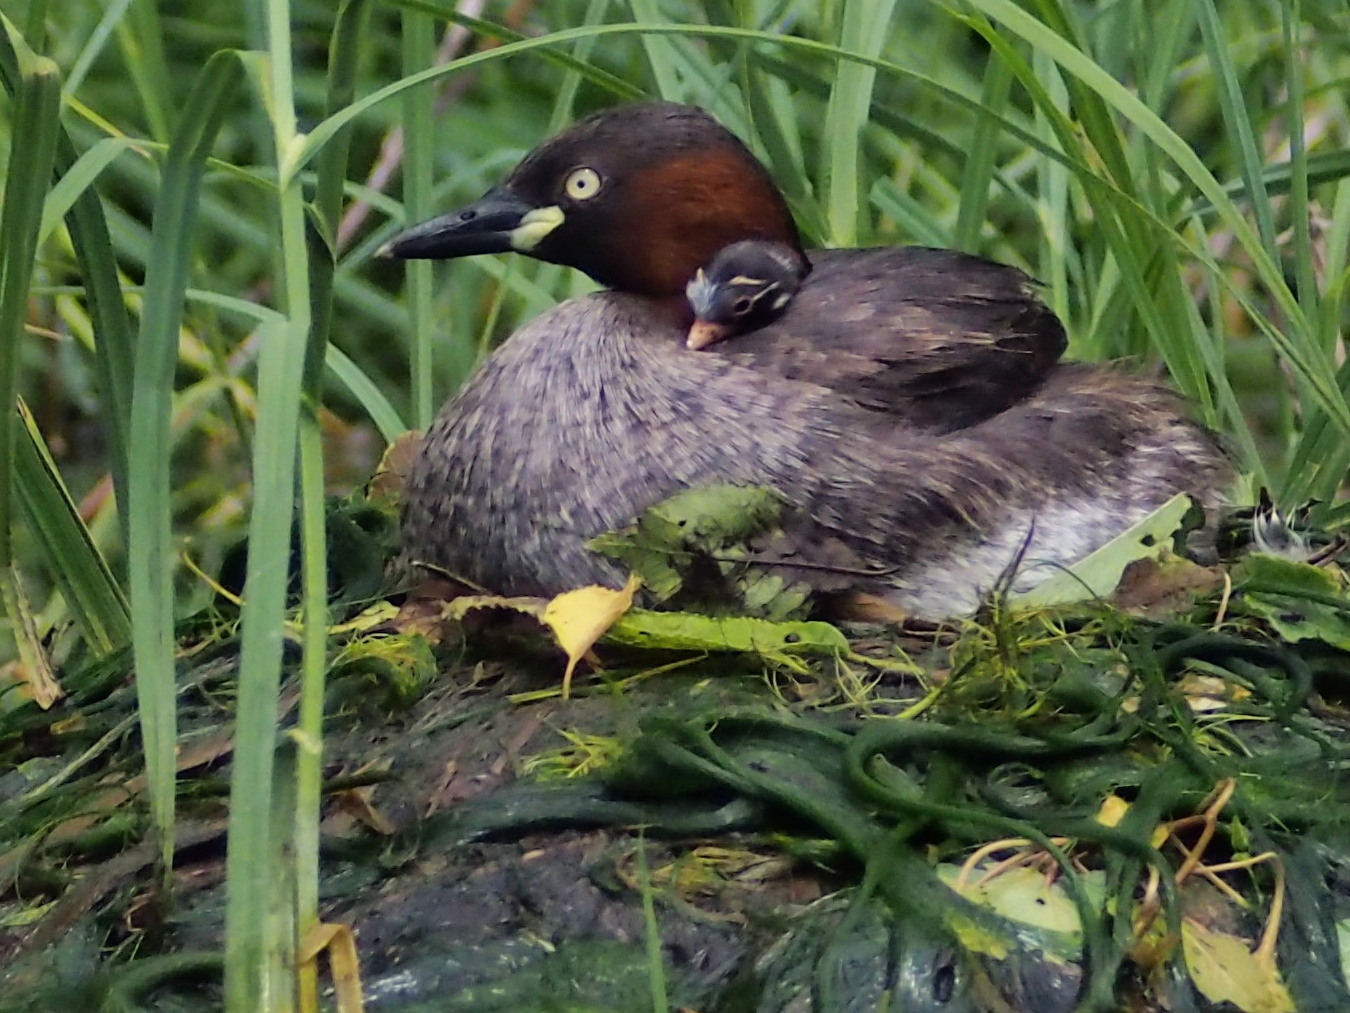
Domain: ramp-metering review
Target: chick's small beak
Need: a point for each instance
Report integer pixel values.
(498, 222)
(704, 333)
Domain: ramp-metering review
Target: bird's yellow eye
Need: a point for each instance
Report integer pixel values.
(582, 184)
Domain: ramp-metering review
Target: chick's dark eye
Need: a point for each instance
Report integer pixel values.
(742, 305)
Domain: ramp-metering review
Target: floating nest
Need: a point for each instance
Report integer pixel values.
(1134, 802)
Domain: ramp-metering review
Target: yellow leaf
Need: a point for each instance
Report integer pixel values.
(1112, 811)
(1224, 969)
(459, 607)
(1023, 894)
(32, 671)
(391, 475)
(579, 618)
(340, 942)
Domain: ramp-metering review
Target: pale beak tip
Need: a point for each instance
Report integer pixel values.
(702, 334)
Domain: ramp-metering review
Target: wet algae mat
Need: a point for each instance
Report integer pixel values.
(1136, 804)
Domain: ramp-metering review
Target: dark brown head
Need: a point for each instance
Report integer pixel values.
(639, 197)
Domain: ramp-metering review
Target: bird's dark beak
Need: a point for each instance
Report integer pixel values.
(498, 222)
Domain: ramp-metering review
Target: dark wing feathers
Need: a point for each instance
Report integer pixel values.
(938, 338)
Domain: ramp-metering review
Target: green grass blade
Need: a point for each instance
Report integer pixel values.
(1278, 179)
(302, 836)
(1061, 33)
(36, 84)
(863, 31)
(28, 177)
(565, 103)
(371, 398)
(1318, 466)
(661, 54)
(78, 179)
(977, 174)
(610, 83)
(114, 347)
(142, 43)
(259, 951)
(1233, 105)
(330, 183)
(1127, 235)
(323, 131)
(95, 44)
(773, 128)
(419, 135)
(656, 967)
(98, 268)
(79, 570)
(308, 735)
(251, 970)
(915, 222)
(1299, 211)
(1161, 44)
(1053, 204)
(149, 503)
(1304, 273)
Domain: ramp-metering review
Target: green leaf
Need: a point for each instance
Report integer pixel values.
(1096, 575)
(149, 495)
(1226, 970)
(79, 178)
(1265, 572)
(658, 547)
(28, 177)
(687, 631)
(1024, 894)
(704, 546)
(29, 172)
(1299, 601)
(75, 564)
